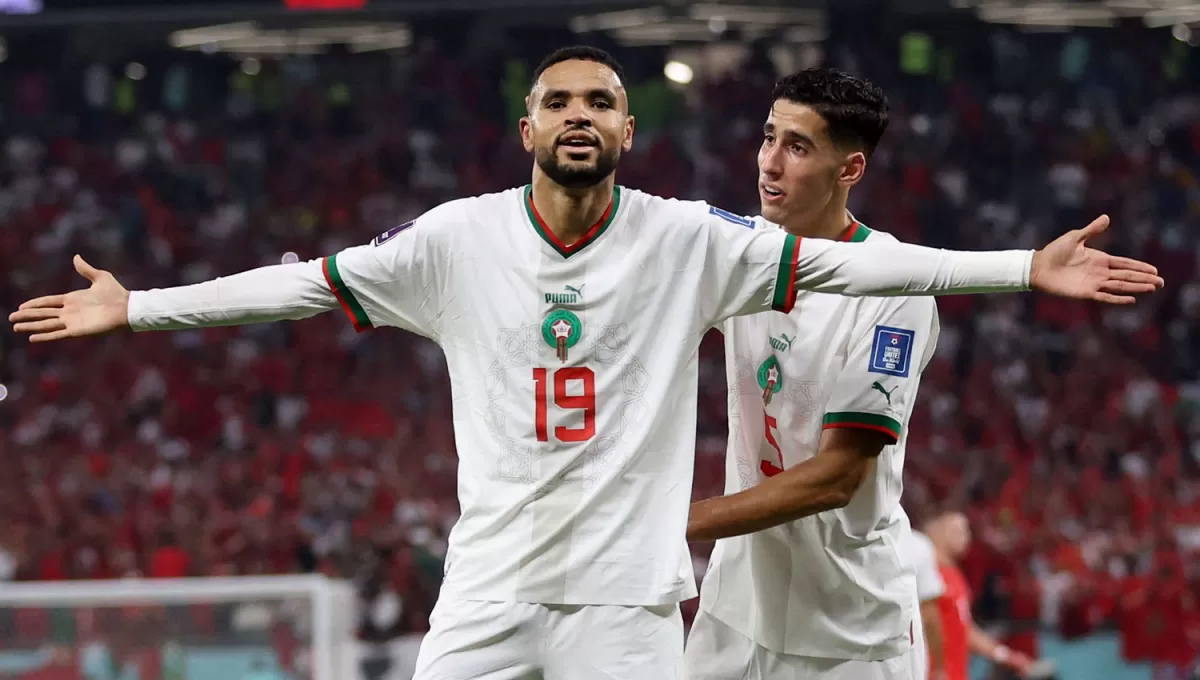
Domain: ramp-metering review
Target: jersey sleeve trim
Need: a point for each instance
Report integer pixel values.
(862, 421)
(785, 283)
(345, 296)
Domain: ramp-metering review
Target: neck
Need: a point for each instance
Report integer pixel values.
(829, 222)
(570, 213)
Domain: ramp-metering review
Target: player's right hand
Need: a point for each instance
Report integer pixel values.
(1068, 268)
(100, 308)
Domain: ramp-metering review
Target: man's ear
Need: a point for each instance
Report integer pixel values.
(525, 125)
(853, 169)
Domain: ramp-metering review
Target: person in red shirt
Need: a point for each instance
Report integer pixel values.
(950, 534)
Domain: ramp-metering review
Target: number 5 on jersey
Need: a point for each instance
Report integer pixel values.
(567, 379)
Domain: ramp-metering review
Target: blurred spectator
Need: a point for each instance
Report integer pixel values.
(1072, 432)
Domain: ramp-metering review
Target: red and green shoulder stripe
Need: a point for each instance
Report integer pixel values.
(784, 297)
(855, 233)
(863, 421)
(345, 296)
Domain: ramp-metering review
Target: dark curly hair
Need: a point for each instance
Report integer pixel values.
(580, 53)
(855, 110)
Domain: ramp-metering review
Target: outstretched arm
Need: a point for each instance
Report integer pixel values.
(1066, 267)
(394, 281)
(276, 293)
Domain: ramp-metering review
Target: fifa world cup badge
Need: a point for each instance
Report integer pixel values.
(770, 378)
(561, 330)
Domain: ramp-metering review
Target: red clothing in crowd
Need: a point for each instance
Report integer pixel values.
(954, 606)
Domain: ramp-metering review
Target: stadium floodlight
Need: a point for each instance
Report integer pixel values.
(678, 72)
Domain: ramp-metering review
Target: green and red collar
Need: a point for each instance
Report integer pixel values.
(590, 236)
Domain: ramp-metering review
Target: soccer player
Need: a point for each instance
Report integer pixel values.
(571, 312)
(813, 577)
(950, 534)
(930, 588)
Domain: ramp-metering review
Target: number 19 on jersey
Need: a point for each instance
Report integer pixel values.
(568, 382)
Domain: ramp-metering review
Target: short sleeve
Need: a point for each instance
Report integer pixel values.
(749, 269)
(398, 279)
(930, 585)
(890, 346)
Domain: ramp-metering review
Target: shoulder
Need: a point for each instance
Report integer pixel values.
(452, 217)
(699, 215)
(476, 208)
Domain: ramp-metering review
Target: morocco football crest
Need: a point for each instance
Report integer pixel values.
(770, 378)
(561, 330)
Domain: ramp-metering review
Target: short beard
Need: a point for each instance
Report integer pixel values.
(575, 177)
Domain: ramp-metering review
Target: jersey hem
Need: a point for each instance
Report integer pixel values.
(345, 296)
(831, 650)
(862, 421)
(784, 298)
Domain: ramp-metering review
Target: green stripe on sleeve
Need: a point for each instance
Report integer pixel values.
(785, 281)
(354, 309)
(866, 421)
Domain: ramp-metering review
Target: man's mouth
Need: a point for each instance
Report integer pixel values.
(771, 191)
(577, 141)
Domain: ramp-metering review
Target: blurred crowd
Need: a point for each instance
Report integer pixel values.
(1070, 433)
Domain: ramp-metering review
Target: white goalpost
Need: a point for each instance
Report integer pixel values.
(227, 628)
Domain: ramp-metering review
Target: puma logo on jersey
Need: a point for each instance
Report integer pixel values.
(571, 297)
(783, 343)
(886, 394)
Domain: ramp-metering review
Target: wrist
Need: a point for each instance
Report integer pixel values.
(1036, 264)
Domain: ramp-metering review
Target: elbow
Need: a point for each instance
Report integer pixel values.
(843, 484)
(840, 496)
(839, 491)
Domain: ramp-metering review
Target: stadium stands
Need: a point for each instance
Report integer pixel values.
(1071, 433)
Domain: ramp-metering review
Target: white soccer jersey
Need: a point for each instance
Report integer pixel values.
(573, 368)
(574, 374)
(837, 584)
(930, 585)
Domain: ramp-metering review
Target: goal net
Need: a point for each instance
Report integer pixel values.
(237, 628)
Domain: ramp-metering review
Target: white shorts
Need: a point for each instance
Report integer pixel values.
(717, 652)
(472, 640)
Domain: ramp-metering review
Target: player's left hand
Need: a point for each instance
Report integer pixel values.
(1069, 268)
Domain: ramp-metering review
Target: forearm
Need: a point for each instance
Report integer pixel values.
(931, 620)
(274, 293)
(982, 644)
(885, 269)
(818, 484)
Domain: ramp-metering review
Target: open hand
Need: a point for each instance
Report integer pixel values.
(102, 307)
(1068, 268)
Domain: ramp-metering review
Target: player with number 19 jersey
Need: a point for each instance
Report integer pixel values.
(574, 373)
(838, 584)
(574, 377)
